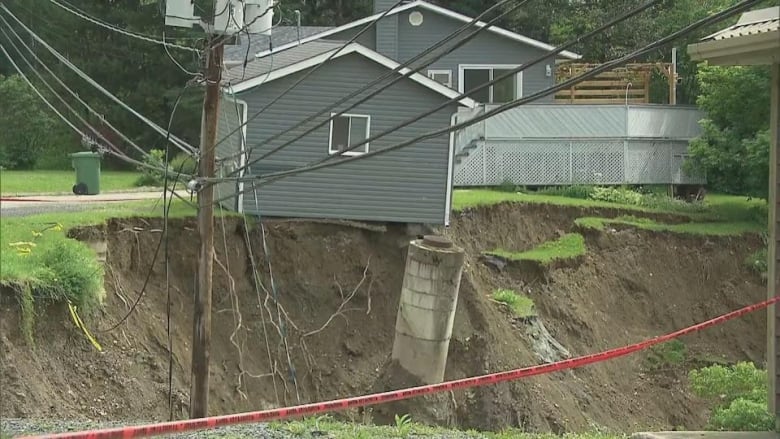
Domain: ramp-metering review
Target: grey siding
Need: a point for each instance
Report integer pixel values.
(367, 38)
(387, 37)
(230, 117)
(406, 185)
(485, 48)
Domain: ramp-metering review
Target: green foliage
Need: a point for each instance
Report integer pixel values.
(576, 191)
(520, 304)
(152, 177)
(29, 133)
(506, 186)
(183, 164)
(733, 149)
(672, 353)
(403, 424)
(738, 394)
(757, 262)
(568, 246)
(617, 195)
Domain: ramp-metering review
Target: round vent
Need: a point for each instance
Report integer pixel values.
(416, 18)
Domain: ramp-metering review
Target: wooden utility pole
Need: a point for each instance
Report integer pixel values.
(201, 334)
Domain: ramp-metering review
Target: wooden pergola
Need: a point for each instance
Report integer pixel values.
(755, 40)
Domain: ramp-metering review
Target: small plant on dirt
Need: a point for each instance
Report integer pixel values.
(522, 306)
(403, 424)
(672, 353)
(757, 262)
(738, 394)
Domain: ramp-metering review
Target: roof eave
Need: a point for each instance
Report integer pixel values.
(757, 49)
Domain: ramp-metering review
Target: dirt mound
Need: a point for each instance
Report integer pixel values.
(338, 287)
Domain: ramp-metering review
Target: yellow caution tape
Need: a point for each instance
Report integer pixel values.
(80, 325)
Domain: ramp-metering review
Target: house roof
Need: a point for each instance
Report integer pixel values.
(304, 56)
(753, 40)
(281, 35)
(750, 23)
(433, 8)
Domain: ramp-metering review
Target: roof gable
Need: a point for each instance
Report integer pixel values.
(436, 9)
(314, 53)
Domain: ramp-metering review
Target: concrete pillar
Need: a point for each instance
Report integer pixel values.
(427, 308)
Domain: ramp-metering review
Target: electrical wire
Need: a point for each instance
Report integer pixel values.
(284, 93)
(70, 91)
(713, 18)
(389, 74)
(79, 13)
(458, 98)
(181, 144)
(160, 242)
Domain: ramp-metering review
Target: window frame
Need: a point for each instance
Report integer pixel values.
(333, 117)
(492, 67)
(447, 72)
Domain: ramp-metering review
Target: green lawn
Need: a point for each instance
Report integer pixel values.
(38, 182)
(695, 228)
(568, 246)
(466, 198)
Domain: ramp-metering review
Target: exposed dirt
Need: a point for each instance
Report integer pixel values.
(631, 285)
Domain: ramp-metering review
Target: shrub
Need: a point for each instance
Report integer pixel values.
(739, 396)
(617, 195)
(183, 164)
(577, 191)
(152, 177)
(757, 262)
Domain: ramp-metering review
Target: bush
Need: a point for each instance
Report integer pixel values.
(183, 164)
(577, 191)
(739, 396)
(667, 354)
(151, 177)
(617, 195)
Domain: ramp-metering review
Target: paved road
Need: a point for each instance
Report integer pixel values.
(31, 205)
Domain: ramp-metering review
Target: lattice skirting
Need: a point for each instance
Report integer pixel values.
(563, 162)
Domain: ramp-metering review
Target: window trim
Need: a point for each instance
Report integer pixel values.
(519, 77)
(331, 151)
(447, 72)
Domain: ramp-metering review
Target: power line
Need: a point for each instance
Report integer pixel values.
(181, 144)
(714, 18)
(465, 94)
(389, 74)
(365, 29)
(79, 13)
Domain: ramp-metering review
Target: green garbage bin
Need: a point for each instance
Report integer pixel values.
(87, 166)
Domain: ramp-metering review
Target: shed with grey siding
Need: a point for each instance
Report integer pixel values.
(408, 185)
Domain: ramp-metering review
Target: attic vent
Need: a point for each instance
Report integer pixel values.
(416, 18)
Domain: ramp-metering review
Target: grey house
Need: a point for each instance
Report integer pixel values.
(410, 185)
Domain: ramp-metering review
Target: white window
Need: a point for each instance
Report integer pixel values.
(506, 90)
(443, 77)
(349, 130)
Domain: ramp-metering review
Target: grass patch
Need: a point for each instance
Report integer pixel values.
(42, 265)
(757, 262)
(520, 304)
(568, 246)
(36, 182)
(693, 228)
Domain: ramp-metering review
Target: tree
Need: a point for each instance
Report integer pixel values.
(27, 125)
(733, 149)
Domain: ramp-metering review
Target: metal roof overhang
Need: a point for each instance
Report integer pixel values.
(756, 49)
